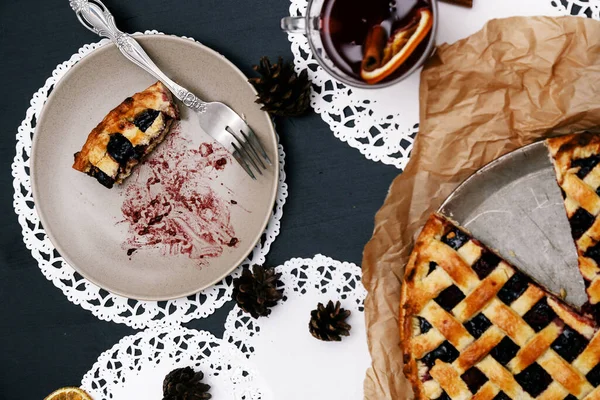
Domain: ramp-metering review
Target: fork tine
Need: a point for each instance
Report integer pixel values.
(243, 163)
(253, 149)
(244, 153)
(256, 144)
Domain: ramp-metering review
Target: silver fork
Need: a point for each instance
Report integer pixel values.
(218, 120)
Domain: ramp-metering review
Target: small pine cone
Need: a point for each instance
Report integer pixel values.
(329, 323)
(184, 384)
(280, 90)
(256, 292)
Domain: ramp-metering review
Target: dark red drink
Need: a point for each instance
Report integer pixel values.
(345, 25)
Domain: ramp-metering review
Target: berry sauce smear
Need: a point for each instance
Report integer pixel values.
(172, 206)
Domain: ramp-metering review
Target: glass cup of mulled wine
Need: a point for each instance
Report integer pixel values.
(368, 44)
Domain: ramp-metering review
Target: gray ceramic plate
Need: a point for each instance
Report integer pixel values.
(85, 221)
(514, 205)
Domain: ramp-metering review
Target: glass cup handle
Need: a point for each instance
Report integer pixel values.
(294, 24)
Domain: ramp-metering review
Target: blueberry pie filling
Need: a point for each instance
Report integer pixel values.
(120, 148)
(101, 177)
(145, 119)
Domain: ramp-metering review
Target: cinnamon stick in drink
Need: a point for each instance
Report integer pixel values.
(373, 48)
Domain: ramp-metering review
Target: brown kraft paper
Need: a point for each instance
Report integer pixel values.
(515, 81)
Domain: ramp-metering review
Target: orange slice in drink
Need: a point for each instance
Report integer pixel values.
(69, 393)
(398, 48)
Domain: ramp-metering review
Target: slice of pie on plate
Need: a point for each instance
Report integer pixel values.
(473, 326)
(127, 134)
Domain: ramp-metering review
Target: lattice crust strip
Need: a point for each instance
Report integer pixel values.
(473, 326)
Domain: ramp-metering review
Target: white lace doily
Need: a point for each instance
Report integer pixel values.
(583, 8)
(135, 367)
(382, 123)
(266, 359)
(280, 346)
(102, 304)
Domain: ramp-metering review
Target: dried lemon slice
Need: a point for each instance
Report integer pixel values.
(399, 47)
(69, 393)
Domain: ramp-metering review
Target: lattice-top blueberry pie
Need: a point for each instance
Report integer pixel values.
(473, 326)
(127, 134)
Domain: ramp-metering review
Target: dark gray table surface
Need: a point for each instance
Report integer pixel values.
(47, 342)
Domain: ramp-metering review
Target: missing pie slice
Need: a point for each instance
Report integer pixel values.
(473, 326)
(126, 135)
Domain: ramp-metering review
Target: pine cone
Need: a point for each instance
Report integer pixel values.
(255, 292)
(280, 90)
(329, 323)
(184, 384)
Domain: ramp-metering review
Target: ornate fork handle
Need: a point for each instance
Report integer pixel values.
(95, 16)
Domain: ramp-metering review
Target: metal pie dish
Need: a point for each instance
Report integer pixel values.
(514, 206)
